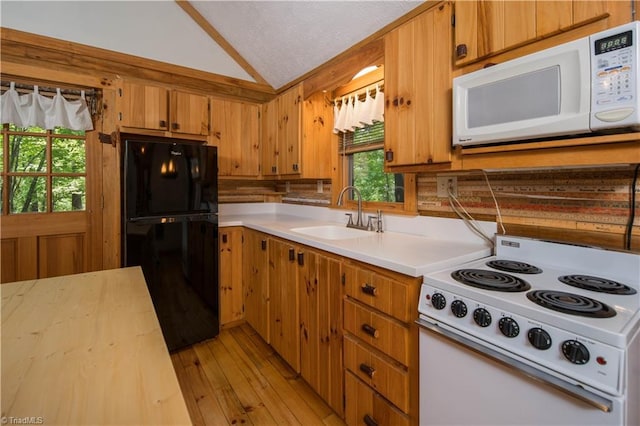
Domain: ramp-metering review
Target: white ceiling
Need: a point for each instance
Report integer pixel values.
(281, 40)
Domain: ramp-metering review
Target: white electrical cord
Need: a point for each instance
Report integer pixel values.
(498, 213)
(459, 209)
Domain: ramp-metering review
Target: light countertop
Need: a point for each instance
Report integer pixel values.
(412, 246)
(86, 349)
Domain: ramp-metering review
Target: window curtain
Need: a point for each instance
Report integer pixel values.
(356, 111)
(34, 109)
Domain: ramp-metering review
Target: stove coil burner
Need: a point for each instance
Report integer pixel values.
(490, 280)
(570, 303)
(601, 285)
(513, 266)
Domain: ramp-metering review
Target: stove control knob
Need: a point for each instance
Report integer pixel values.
(539, 338)
(438, 301)
(509, 327)
(458, 308)
(482, 317)
(575, 352)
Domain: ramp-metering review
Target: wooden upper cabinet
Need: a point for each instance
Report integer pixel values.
(417, 85)
(189, 113)
(281, 130)
(289, 130)
(486, 27)
(235, 130)
(159, 108)
(296, 135)
(143, 106)
(270, 147)
(317, 132)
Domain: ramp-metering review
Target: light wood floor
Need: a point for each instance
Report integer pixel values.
(237, 379)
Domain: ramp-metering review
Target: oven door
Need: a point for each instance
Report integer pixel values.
(461, 384)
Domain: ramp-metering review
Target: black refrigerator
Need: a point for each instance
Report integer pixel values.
(170, 229)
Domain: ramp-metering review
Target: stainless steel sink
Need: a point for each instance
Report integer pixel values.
(332, 232)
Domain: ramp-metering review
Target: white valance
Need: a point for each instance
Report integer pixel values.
(351, 113)
(34, 109)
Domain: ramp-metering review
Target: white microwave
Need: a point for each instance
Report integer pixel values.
(587, 85)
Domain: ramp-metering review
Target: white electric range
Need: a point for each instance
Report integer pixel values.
(565, 314)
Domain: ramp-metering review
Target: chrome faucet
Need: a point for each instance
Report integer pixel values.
(359, 222)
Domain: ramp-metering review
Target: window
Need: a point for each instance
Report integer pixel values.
(363, 152)
(42, 170)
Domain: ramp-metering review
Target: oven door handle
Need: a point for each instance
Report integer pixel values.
(566, 387)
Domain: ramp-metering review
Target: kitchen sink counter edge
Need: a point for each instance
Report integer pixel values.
(412, 246)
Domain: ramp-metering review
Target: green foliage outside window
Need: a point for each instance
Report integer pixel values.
(42, 171)
(365, 154)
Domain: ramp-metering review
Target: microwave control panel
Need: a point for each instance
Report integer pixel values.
(614, 78)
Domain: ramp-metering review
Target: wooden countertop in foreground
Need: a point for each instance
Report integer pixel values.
(86, 349)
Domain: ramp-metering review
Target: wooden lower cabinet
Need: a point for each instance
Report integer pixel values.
(366, 407)
(347, 327)
(380, 346)
(255, 278)
(385, 375)
(378, 330)
(230, 265)
(293, 299)
(320, 292)
(284, 331)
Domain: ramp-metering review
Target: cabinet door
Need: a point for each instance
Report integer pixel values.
(366, 407)
(143, 106)
(289, 131)
(231, 307)
(270, 150)
(485, 27)
(552, 16)
(256, 281)
(189, 113)
(331, 380)
(310, 289)
(235, 132)
(283, 302)
(418, 86)
(317, 123)
(320, 319)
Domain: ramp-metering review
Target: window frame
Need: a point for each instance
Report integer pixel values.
(341, 177)
(49, 175)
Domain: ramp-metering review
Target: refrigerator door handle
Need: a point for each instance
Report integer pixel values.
(189, 217)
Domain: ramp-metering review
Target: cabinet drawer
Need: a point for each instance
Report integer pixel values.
(365, 407)
(378, 330)
(385, 294)
(388, 378)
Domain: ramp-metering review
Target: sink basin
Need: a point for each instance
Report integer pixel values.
(332, 232)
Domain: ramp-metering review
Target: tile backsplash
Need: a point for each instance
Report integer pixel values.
(579, 195)
(591, 200)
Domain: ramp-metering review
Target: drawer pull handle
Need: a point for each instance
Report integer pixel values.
(292, 255)
(367, 369)
(371, 331)
(263, 244)
(369, 421)
(369, 289)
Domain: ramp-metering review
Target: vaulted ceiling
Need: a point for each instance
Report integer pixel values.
(273, 42)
